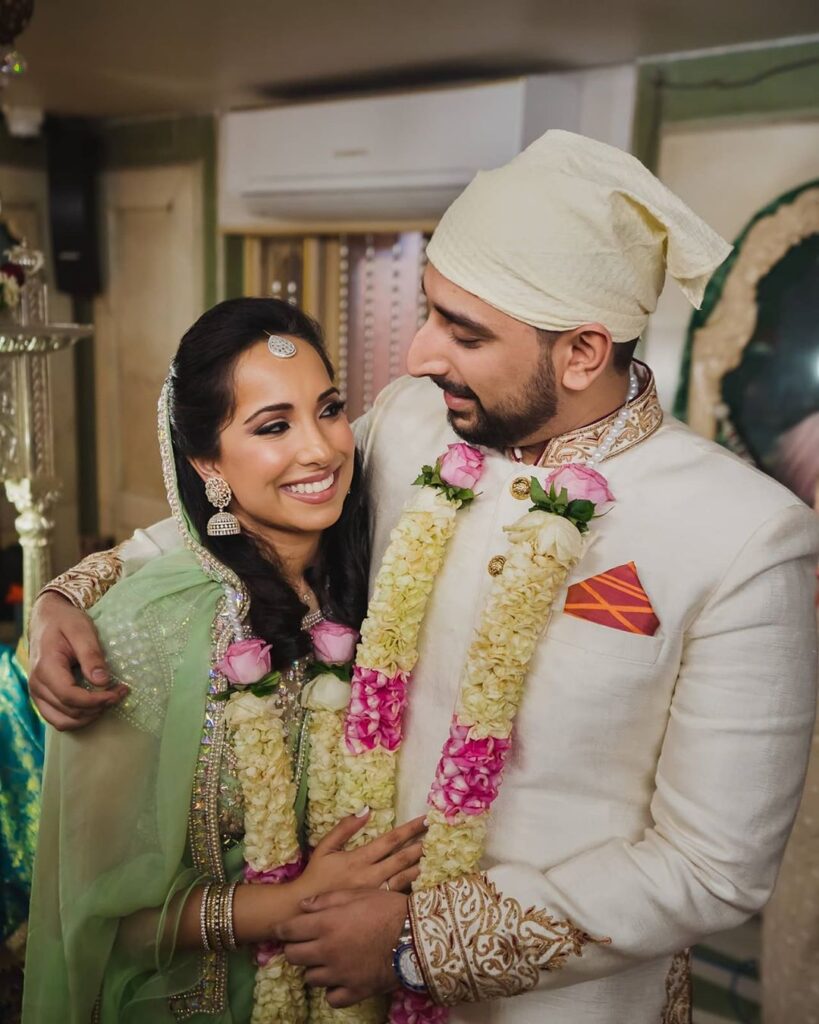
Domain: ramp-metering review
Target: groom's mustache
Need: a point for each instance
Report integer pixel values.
(458, 390)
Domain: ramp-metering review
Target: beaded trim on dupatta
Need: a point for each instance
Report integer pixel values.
(208, 995)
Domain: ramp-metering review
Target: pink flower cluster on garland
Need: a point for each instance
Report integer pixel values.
(469, 773)
(415, 1008)
(265, 951)
(376, 710)
(285, 873)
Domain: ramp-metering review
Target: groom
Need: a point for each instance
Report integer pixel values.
(660, 749)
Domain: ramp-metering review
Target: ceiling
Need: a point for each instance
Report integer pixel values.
(140, 57)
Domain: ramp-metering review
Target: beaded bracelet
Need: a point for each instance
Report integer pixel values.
(203, 921)
(228, 935)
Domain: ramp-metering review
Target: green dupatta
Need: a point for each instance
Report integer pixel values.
(129, 814)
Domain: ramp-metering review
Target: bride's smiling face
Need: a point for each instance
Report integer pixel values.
(287, 452)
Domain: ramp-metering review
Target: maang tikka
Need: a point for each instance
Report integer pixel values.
(223, 524)
(282, 348)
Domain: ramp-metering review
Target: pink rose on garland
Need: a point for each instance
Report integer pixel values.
(582, 483)
(469, 772)
(416, 1008)
(333, 643)
(377, 704)
(245, 662)
(461, 466)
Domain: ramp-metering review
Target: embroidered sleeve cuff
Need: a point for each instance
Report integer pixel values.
(85, 584)
(475, 944)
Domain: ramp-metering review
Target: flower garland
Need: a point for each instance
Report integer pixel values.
(388, 649)
(544, 545)
(271, 846)
(326, 698)
(354, 756)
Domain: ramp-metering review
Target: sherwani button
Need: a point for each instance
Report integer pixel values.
(495, 566)
(520, 488)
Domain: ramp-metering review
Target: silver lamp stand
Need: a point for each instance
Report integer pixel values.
(27, 339)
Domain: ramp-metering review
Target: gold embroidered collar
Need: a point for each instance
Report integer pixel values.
(645, 417)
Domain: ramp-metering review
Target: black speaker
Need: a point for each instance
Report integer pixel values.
(73, 168)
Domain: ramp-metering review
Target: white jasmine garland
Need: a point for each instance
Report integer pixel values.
(271, 835)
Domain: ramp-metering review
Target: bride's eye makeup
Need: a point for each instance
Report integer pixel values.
(334, 409)
(273, 428)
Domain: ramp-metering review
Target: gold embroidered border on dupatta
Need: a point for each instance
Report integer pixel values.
(208, 995)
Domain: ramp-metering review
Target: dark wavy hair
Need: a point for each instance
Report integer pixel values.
(202, 403)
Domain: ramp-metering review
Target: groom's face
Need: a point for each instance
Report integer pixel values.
(496, 373)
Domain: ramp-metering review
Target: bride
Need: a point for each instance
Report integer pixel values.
(196, 781)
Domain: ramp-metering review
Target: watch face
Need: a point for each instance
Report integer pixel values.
(408, 969)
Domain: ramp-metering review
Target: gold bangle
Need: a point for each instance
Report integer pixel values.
(212, 918)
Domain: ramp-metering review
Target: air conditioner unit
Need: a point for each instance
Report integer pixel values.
(401, 157)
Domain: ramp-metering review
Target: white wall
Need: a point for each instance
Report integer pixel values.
(726, 173)
(153, 293)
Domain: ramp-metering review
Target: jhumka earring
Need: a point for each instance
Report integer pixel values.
(223, 524)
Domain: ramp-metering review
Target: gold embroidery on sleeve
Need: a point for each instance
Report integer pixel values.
(473, 943)
(85, 584)
(678, 999)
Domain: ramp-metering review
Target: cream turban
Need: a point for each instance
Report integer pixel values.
(573, 231)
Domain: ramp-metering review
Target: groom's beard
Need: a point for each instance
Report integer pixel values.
(509, 423)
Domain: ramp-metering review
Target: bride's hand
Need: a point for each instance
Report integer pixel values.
(390, 861)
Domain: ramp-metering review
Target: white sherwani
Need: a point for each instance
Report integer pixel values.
(653, 779)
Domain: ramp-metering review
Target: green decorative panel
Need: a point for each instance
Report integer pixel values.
(770, 400)
(774, 392)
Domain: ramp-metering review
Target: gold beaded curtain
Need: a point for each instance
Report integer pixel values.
(364, 288)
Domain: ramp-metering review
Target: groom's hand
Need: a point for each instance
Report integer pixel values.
(60, 637)
(345, 941)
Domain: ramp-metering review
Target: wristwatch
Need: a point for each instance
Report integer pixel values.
(405, 961)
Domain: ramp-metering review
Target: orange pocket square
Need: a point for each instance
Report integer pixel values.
(614, 598)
